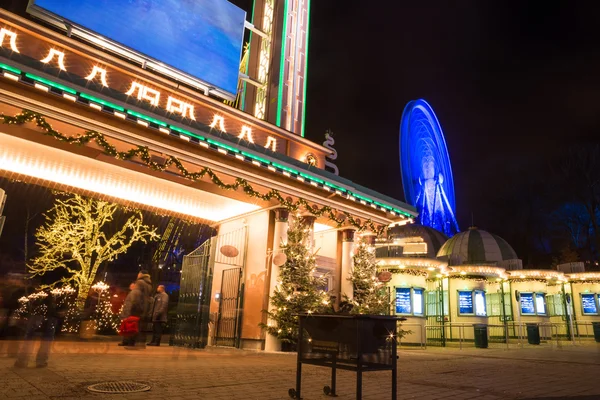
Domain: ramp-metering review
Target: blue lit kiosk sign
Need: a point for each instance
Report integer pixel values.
(589, 304)
(465, 302)
(403, 305)
(527, 304)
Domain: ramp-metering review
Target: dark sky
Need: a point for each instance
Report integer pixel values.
(510, 82)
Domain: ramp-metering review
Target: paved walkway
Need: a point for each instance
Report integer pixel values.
(568, 372)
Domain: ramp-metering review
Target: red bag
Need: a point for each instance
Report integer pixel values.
(129, 326)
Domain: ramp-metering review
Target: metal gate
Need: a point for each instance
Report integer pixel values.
(228, 327)
(228, 324)
(436, 305)
(191, 324)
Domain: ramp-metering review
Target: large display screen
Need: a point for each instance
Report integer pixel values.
(588, 303)
(465, 302)
(202, 38)
(403, 305)
(527, 305)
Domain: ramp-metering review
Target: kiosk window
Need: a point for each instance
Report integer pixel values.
(533, 304)
(472, 302)
(409, 301)
(589, 304)
(480, 303)
(418, 301)
(540, 303)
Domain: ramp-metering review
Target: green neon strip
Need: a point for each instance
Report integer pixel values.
(312, 178)
(283, 168)
(11, 69)
(103, 102)
(146, 118)
(50, 83)
(224, 146)
(362, 198)
(335, 186)
(305, 68)
(282, 64)
(252, 156)
(188, 133)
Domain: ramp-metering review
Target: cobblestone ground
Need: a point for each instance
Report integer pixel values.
(570, 372)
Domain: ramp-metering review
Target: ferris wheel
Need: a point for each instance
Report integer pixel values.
(425, 166)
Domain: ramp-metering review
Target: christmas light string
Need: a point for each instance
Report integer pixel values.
(142, 152)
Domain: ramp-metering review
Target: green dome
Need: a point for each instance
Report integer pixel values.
(433, 238)
(476, 247)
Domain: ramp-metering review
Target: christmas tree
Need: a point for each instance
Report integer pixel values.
(370, 295)
(65, 300)
(298, 289)
(106, 320)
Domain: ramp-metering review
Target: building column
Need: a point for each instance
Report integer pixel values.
(279, 236)
(346, 287)
(369, 238)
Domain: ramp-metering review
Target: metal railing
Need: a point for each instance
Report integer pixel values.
(506, 335)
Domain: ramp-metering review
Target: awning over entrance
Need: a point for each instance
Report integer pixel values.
(78, 172)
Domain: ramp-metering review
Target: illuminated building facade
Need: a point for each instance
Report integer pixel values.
(80, 118)
(474, 279)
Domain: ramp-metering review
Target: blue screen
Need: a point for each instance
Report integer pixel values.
(202, 38)
(403, 305)
(465, 302)
(527, 305)
(588, 303)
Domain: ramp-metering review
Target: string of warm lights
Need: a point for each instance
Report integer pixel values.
(143, 154)
(409, 271)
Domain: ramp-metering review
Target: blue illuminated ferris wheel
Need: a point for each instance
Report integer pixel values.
(425, 165)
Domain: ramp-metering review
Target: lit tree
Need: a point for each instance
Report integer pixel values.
(74, 238)
(106, 320)
(370, 295)
(298, 290)
(65, 300)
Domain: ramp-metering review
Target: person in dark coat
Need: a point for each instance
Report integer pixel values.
(138, 303)
(126, 340)
(159, 315)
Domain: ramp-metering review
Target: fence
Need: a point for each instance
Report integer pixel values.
(511, 334)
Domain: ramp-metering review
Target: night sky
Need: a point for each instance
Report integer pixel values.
(511, 83)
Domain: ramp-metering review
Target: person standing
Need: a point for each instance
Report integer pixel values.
(138, 304)
(47, 316)
(159, 315)
(125, 312)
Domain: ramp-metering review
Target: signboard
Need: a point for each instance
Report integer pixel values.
(418, 301)
(527, 305)
(201, 38)
(588, 304)
(540, 303)
(480, 308)
(465, 302)
(403, 305)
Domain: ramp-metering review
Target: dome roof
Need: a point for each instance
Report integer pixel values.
(432, 237)
(476, 247)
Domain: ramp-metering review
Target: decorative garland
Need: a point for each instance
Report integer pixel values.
(408, 271)
(142, 152)
(542, 280)
(469, 278)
